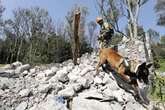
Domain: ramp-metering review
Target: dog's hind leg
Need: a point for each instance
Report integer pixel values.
(121, 71)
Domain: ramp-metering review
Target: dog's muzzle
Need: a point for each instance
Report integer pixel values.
(142, 85)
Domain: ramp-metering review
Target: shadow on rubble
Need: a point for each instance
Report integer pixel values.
(126, 86)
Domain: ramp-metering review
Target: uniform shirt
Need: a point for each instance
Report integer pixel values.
(106, 26)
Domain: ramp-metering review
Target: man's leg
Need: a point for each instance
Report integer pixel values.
(107, 43)
(101, 44)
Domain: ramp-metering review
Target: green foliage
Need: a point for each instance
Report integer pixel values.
(116, 39)
(162, 64)
(160, 10)
(162, 40)
(85, 47)
(155, 56)
(31, 38)
(158, 52)
(157, 88)
(140, 32)
(154, 35)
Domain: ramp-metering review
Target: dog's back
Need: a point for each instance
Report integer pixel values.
(111, 56)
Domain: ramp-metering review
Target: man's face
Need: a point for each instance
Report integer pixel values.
(100, 22)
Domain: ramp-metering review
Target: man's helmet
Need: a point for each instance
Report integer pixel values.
(98, 19)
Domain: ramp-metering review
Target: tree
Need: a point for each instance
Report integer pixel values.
(27, 35)
(91, 29)
(128, 8)
(76, 25)
(162, 40)
(160, 10)
(2, 9)
(154, 35)
(111, 11)
(76, 40)
(132, 8)
(36, 25)
(2, 44)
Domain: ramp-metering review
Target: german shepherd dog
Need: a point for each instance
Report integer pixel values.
(117, 64)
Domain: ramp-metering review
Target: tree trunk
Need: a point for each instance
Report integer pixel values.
(134, 29)
(76, 42)
(30, 53)
(133, 17)
(19, 50)
(14, 51)
(149, 51)
(130, 30)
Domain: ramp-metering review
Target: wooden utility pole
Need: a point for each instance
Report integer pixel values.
(76, 40)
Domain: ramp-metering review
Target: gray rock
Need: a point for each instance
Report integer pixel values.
(16, 64)
(91, 93)
(70, 67)
(62, 75)
(133, 52)
(90, 77)
(21, 106)
(57, 87)
(24, 73)
(108, 78)
(54, 69)
(1, 92)
(32, 71)
(98, 80)
(44, 88)
(113, 86)
(74, 74)
(6, 83)
(77, 87)
(34, 107)
(128, 97)
(118, 94)
(85, 104)
(134, 106)
(49, 73)
(116, 106)
(22, 68)
(24, 92)
(86, 70)
(40, 76)
(67, 92)
(53, 79)
(84, 82)
(52, 103)
(7, 73)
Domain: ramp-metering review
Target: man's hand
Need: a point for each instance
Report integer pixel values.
(101, 38)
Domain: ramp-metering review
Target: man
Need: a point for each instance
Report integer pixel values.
(106, 33)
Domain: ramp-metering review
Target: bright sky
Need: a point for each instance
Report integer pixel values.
(58, 10)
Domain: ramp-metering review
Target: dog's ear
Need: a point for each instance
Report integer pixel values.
(143, 65)
(149, 65)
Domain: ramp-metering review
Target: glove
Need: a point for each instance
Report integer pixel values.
(101, 38)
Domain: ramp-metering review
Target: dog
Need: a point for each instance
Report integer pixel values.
(119, 64)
